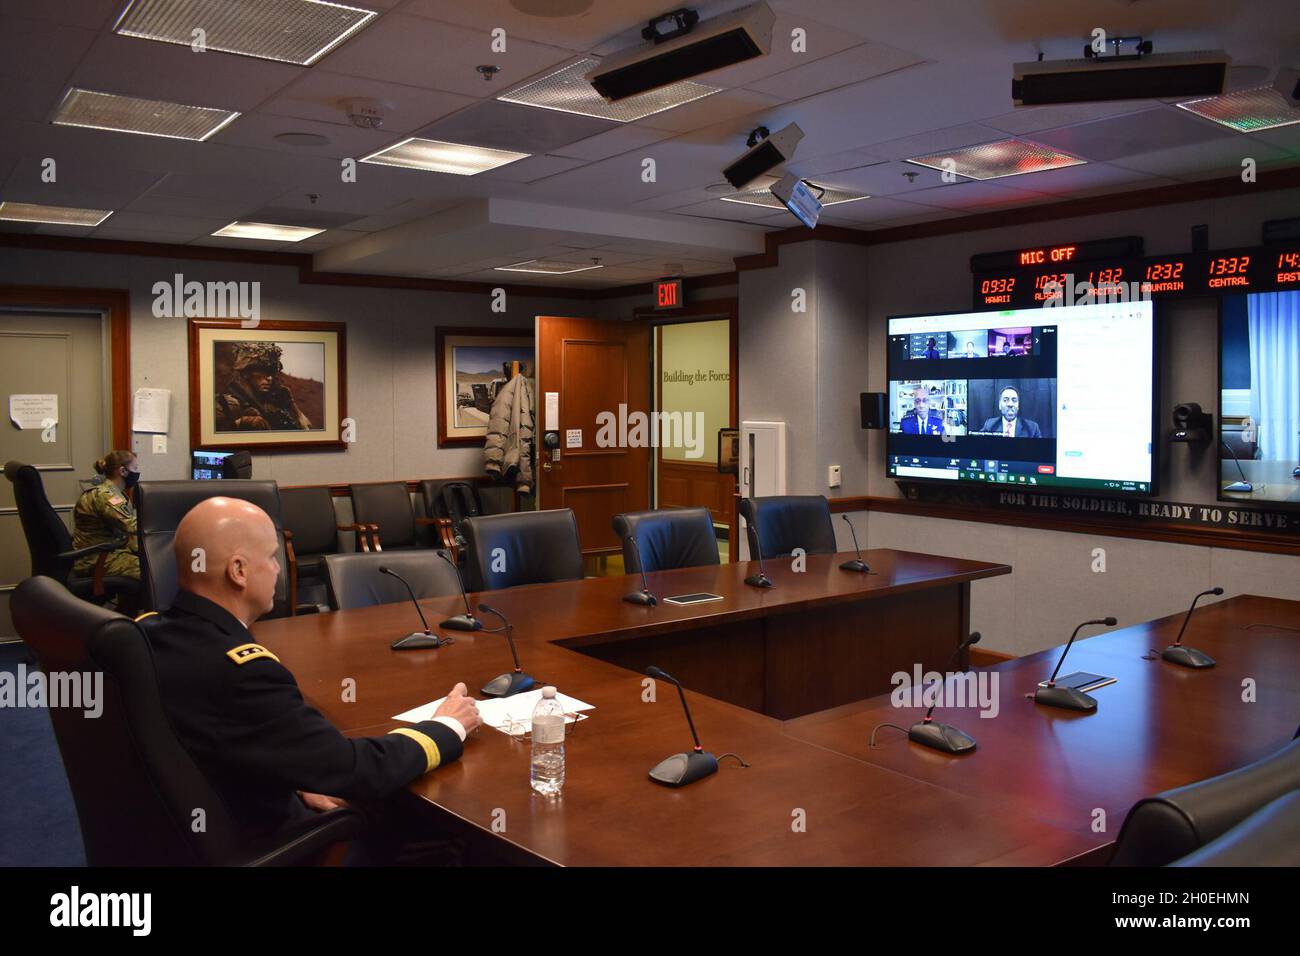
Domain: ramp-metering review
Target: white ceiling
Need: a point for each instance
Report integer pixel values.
(879, 82)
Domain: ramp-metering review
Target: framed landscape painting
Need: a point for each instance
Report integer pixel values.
(473, 364)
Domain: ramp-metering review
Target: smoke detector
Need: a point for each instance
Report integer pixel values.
(365, 112)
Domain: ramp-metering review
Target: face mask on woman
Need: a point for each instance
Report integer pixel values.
(131, 478)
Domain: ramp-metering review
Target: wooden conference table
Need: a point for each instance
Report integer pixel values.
(813, 793)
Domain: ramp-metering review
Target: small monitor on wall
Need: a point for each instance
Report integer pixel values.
(206, 465)
(1037, 398)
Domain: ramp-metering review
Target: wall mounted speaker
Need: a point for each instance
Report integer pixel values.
(1191, 424)
(873, 409)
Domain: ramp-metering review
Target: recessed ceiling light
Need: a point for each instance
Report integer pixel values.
(129, 114)
(1246, 111)
(292, 31)
(54, 215)
(439, 157)
(1008, 157)
(568, 91)
(547, 267)
(764, 197)
(267, 230)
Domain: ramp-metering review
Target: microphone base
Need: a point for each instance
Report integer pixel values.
(1240, 486)
(461, 622)
(681, 769)
(1067, 698)
(942, 737)
(855, 564)
(1186, 656)
(417, 641)
(642, 597)
(507, 685)
(759, 580)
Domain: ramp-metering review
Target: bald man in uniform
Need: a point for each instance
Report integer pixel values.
(238, 711)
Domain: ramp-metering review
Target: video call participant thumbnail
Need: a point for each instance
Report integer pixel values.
(1015, 408)
(922, 419)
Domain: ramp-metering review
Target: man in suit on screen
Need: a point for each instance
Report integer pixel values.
(1009, 424)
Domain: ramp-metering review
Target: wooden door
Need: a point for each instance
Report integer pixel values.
(586, 370)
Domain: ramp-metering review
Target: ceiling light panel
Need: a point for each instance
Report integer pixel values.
(1008, 157)
(764, 197)
(129, 114)
(54, 215)
(438, 157)
(267, 230)
(1246, 111)
(568, 91)
(547, 267)
(291, 31)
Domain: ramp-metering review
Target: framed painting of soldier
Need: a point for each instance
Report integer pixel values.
(275, 387)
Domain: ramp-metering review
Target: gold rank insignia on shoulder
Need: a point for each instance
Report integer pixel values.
(249, 652)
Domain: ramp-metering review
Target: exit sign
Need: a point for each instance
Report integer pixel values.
(668, 294)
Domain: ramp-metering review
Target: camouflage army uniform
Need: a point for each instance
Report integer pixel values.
(276, 409)
(101, 514)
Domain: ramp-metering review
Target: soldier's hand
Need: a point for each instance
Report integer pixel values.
(461, 708)
(252, 421)
(321, 803)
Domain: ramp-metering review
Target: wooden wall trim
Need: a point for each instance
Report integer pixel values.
(344, 489)
(1112, 527)
(116, 305)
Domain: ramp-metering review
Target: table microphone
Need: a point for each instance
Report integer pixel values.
(1243, 485)
(857, 564)
(1068, 697)
(643, 596)
(1177, 653)
(681, 769)
(759, 580)
(944, 737)
(461, 622)
(416, 640)
(507, 685)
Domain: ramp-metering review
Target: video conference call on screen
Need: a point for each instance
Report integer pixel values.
(1030, 397)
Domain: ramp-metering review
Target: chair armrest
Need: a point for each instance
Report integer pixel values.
(291, 558)
(429, 521)
(307, 847)
(359, 530)
(112, 544)
(375, 544)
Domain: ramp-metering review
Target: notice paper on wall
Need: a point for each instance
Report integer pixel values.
(34, 411)
(551, 416)
(152, 410)
(510, 715)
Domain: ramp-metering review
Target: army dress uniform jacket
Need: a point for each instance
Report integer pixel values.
(239, 714)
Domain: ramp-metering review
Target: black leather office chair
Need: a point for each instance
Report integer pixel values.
(385, 511)
(135, 787)
(50, 544)
(237, 464)
(355, 581)
(668, 538)
(160, 506)
(1178, 822)
(1268, 837)
(535, 547)
(786, 522)
(311, 530)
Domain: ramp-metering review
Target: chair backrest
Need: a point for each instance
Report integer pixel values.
(1268, 837)
(135, 787)
(666, 539)
(47, 536)
(786, 522)
(237, 464)
(160, 506)
(527, 547)
(387, 504)
(1170, 825)
(309, 514)
(355, 579)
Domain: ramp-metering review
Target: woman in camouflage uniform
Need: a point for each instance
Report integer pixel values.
(103, 513)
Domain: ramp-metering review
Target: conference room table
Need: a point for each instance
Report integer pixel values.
(813, 793)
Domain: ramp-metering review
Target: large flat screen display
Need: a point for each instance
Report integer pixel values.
(1258, 428)
(1057, 397)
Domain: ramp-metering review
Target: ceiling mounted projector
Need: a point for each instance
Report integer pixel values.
(711, 45)
(766, 155)
(1099, 79)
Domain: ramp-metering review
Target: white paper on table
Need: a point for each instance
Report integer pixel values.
(34, 411)
(151, 412)
(506, 713)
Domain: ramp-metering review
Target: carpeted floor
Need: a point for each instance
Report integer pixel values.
(38, 821)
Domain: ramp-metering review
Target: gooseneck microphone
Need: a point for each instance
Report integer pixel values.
(856, 564)
(681, 769)
(944, 737)
(1068, 697)
(1243, 486)
(759, 580)
(461, 622)
(643, 597)
(416, 640)
(506, 685)
(1178, 653)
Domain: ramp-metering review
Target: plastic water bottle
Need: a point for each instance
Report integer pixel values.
(547, 770)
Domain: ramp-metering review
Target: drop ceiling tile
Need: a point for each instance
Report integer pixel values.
(258, 130)
(621, 140)
(1133, 133)
(183, 206)
(718, 108)
(167, 225)
(522, 129)
(718, 209)
(583, 31)
(92, 14)
(932, 141)
(79, 175)
(875, 209)
(847, 68)
(41, 50)
(1204, 160)
(834, 162)
(219, 186)
(1032, 119)
(318, 96)
(822, 40)
(973, 196)
(1284, 137)
(1089, 178)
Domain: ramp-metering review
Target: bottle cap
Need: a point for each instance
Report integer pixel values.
(548, 691)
